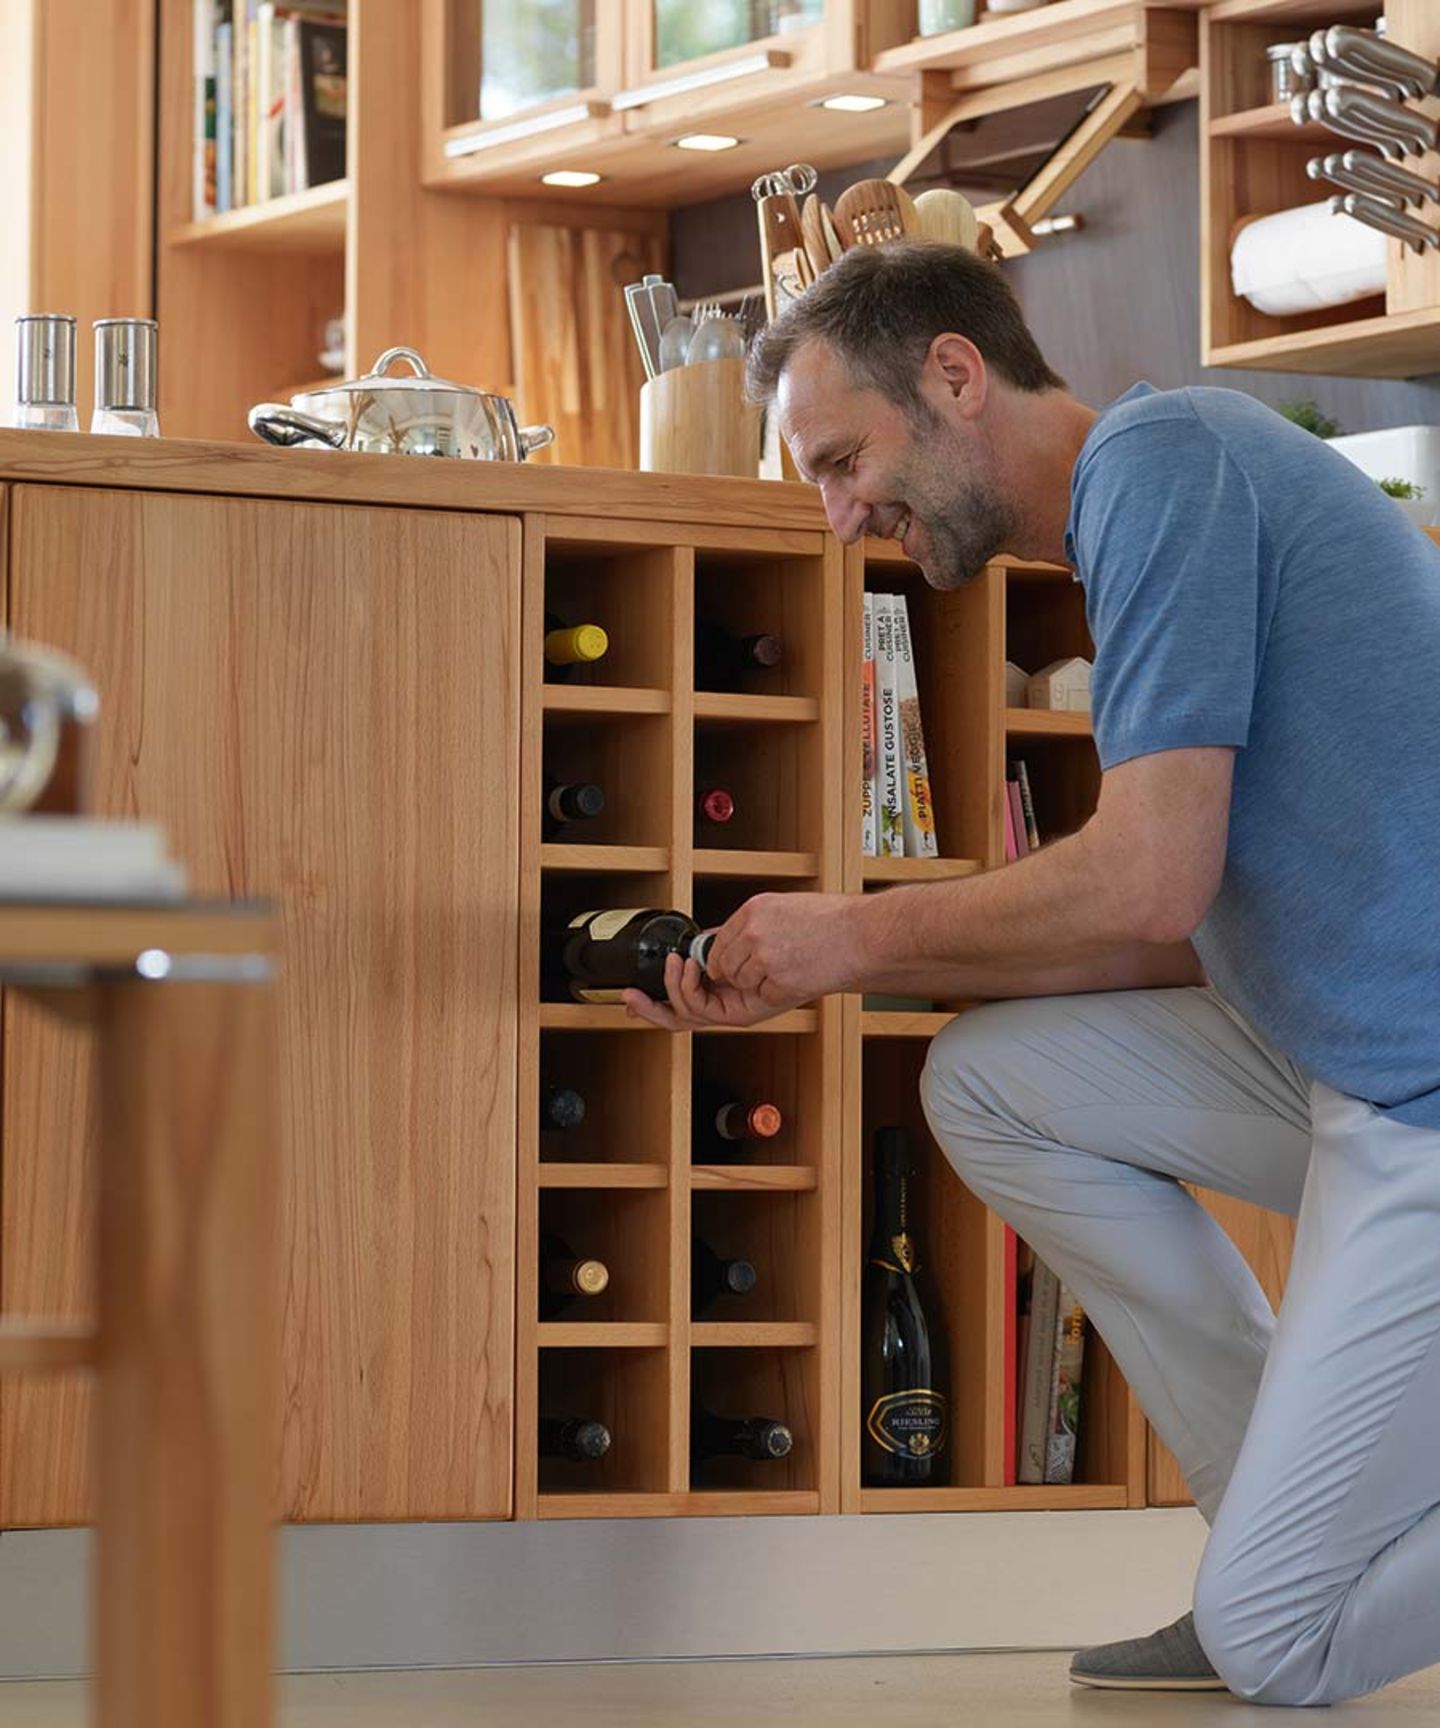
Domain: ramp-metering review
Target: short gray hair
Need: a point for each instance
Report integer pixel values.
(880, 308)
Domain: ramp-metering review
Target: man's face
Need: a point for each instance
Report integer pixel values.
(920, 476)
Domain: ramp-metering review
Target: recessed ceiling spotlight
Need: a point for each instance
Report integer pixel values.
(705, 141)
(570, 177)
(853, 103)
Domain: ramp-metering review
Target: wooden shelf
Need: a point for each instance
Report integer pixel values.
(878, 1023)
(594, 699)
(1013, 45)
(602, 1335)
(716, 861)
(1046, 723)
(739, 1503)
(557, 1175)
(1400, 345)
(1297, 12)
(572, 855)
(753, 1178)
(312, 221)
(919, 869)
(733, 710)
(754, 1334)
(604, 1017)
(1272, 121)
(1072, 1498)
(35, 1346)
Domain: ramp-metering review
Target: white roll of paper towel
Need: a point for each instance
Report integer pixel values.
(1302, 259)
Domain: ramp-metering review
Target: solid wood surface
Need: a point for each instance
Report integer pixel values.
(695, 420)
(189, 1364)
(312, 701)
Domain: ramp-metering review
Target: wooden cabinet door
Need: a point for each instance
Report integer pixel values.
(1266, 1239)
(321, 706)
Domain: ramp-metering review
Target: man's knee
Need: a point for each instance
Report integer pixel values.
(967, 1082)
(1258, 1644)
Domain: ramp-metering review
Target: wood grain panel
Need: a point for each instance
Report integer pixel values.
(313, 702)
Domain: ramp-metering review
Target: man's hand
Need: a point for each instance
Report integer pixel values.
(777, 952)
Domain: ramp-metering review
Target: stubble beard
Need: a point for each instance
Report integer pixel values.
(965, 518)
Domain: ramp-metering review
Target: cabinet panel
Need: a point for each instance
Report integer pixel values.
(320, 704)
(1266, 1239)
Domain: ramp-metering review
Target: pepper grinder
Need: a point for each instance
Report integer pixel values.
(45, 372)
(125, 377)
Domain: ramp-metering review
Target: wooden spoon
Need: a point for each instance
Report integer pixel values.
(812, 228)
(950, 216)
(873, 211)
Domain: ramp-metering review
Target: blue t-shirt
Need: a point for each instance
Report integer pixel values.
(1247, 586)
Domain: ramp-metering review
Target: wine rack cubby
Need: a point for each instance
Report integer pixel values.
(642, 1175)
(1045, 621)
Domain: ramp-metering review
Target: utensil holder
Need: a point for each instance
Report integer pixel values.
(695, 420)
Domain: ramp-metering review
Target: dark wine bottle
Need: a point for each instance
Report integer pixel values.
(725, 661)
(906, 1410)
(561, 1107)
(712, 1276)
(566, 1278)
(721, 1122)
(714, 804)
(604, 953)
(570, 645)
(579, 1438)
(567, 802)
(758, 1437)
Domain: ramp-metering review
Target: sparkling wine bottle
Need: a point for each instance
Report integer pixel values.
(570, 645)
(713, 1276)
(725, 661)
(569, 802)
(758, 1437)
(604, 953)
(566, 1278)
(906, 1412)
(579, 1438)
(561, 1107)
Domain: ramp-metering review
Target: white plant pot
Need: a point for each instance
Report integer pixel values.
(1400, 453)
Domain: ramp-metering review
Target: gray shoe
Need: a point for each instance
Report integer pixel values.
(1169, 1660)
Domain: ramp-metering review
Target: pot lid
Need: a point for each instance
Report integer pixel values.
(420, 378)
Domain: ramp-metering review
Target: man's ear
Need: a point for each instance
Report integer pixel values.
(958, 370)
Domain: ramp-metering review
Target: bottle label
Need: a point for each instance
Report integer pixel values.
(601, 996)
(910, 1424)
(904, 1258)
(601, 926)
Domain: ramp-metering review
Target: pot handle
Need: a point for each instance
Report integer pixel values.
(533, 438)
(278, 424)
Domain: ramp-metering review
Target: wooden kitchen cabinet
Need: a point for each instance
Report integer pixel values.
(321, 706)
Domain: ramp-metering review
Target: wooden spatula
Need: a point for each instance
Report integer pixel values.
(946, 215)
(873, 211)
(812, 227)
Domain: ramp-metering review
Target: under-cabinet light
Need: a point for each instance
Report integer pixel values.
(570, 177)
(705, 141)
(852, 103)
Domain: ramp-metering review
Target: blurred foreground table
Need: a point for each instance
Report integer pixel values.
(181, 1002)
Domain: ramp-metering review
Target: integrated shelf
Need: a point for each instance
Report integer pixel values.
(595, 699)
(574, 855)
(918, 869)
(553, 1174)
(309, 222)
(1272, 121)
(753, 1178)
(1071, 1497)
(1047, 723)
(716, 861)
(744, 710)
(878, 1023)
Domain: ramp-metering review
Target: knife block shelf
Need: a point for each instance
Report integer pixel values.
(1253, 164)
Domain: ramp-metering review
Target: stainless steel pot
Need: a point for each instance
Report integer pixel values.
(416, 415)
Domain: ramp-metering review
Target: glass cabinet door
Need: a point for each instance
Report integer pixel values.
(533, 51)
(690, 29)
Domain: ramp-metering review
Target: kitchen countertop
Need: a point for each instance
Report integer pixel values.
(263, 471)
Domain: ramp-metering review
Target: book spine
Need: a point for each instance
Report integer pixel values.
(1010, 853)
(1027, 805)
(920, 841)
(887, 755)
(869, 819)
(239, 109)
(1069, 1359)
(203, 191)
(1039, 1360)
(252, 106)
(224, 118)
(1017, 819)
(1012, 1348)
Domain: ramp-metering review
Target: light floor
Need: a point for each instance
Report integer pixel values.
(973, 1691)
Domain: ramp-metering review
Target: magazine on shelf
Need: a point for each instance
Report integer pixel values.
(1017, 818)
(1038, 1373)
(869, 817)
(1068, 1366)
(1027, 806)
(888, 767)
(920, 841)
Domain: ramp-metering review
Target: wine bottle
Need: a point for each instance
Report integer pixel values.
(579, 1438)
(712, 1276)
(561, 1107)
(567, 802)
(604, 953)
(757, 1437)
(570, 645)
(902, 1378)
(565, 1277)
(714, 804)
(725, 661)
(721, 1121)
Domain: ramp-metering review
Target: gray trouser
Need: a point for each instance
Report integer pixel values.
(1311, 1442)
